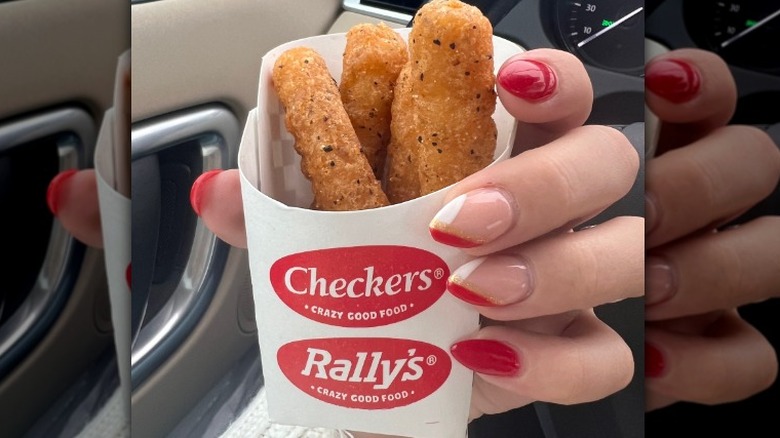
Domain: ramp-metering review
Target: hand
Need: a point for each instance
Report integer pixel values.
(72, 197)
(538, 281)
(705, 175)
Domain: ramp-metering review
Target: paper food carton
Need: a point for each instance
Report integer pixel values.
(111, 166)
(354, 321)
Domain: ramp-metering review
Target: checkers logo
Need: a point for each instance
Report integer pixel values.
(361, 286)
(365, 373)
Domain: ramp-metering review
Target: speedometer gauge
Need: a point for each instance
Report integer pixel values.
(745, 33)
(604, 33)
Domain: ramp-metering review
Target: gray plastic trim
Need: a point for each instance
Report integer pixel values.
(153, 136)
(384, 14)
(75, 151)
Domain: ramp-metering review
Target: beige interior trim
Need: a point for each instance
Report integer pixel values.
(56, 51)
(189, 52)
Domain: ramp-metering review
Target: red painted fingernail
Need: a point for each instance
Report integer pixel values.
(196, 193)
(655, 365)
(53, 192)
(527, 79)
(672, 79)
(487, 356)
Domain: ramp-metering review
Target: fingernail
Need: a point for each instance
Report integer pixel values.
(491, 281)
(527, 79)
(487, 356)
(672, 79)
(196, 193)
(473, 218)
(53, 191)
(655, 364)
(651, 213)
(660, 280)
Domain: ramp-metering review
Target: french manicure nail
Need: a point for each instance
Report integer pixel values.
(491, 281)
(487, 356)
(196, 192)
(674, 80)
(53, 191)
(660, 280)
(655, 364)
(474, 218)
(528, 79)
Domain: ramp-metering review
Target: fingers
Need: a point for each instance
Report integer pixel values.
(72, 197)
(732, 361)
(715, 271)
(548, 91)
(600, 265)
(587, 362)
(216, 198)
(692, 92)
(565, 182)
(709, 181)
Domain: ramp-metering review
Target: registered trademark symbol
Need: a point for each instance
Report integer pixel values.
(438, 273)
(430, 360)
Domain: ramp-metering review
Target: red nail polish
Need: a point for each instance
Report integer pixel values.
(655, 365)
(527, 79)
(468, 295)
(196, 193)
(446, 238)
(487, 356)
(674, 80)
(53, 191)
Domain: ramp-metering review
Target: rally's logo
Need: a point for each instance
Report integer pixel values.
(365, 373)
(361, 286)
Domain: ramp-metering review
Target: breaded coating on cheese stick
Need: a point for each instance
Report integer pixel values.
(340, 175)
(373, 58)
(403, 180)
(451, 82)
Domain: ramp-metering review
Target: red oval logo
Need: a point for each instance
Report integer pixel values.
(365, 373)
(360, 286)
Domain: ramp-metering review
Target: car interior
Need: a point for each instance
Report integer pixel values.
(194, 359)
(720, 27)
(57, 353)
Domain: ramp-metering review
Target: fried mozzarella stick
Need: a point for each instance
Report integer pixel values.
(446, 102)
(373, 58)
(340, 175)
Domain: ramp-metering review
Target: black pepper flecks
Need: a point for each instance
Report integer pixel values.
(434, 143)
(437, 42)
(468, 73)
(479, 95)
(422, 75)
(439, 150)
(332, 164)
(327, 148)
(419, 139)
(452, 46)
(325, 118)
(435, 134)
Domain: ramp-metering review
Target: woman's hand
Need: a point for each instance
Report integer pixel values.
(536, 281)
(72, 197)
(705, 175)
